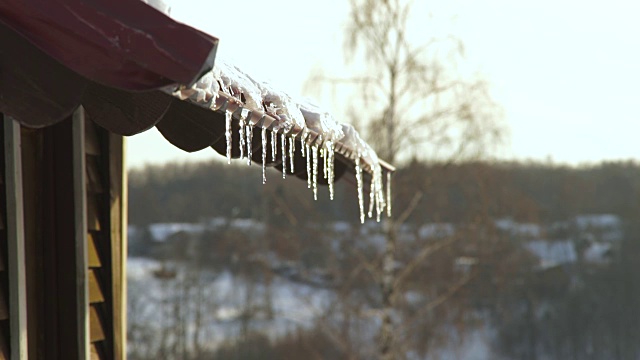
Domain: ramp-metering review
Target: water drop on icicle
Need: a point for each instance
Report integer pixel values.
(274, 145)
(360, 189)
(308, 167)
(389, 194)
(315, 172)
(241, 133)
(264, 155)
(227, 134)
(283, 138)
(292, 151)
(249, 132)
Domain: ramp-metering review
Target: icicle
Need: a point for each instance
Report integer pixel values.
(242, 124)
(372, 198)
(324, 163)
(292, 151)
(380, 195)
(264, 156)
(274, 145)
(330, 166)
(360, 189)
(227, 133)
(379, 200)
(303, 142)
(283, 138)
(315, 172)
(308, 167)
(389, 194)
(249, 133)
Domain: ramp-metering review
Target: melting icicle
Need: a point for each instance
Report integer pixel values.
(227, 133)
(314, 149)
(360, 189)
(274, 145)
(380, 195)
(292, 151)
(249, 142)
(325, 169)
(308, 167)
(330, 168)
(372, 197)
(249, 133)
(242, 124)
(379, 199)
(264, 156)
(283, 138)
(389, 194)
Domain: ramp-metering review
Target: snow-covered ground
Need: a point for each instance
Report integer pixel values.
(296, 297)
(598, 230)
(223, 300)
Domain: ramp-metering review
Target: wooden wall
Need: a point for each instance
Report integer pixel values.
(4, 280)
(105, 245)
(74, 243)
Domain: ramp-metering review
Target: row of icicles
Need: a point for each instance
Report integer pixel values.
(312, 153)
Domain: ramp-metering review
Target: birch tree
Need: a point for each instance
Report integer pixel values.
(418, 106)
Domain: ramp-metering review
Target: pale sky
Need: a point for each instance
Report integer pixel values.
(566, 73)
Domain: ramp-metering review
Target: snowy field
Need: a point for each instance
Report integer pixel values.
(173, 302)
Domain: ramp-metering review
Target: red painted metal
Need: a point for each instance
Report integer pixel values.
(120, 43)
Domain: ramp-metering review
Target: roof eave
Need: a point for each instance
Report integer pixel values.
(124, 44)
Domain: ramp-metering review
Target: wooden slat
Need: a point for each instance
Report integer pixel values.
(95, 291)
(3, 246)
(92, 144)
(118, 190)
(81, 231)
(4, 346)
(97, 331)
(94, 180)
(93, 219)
(94, 259)
(4, 310)
(95, 354)
(15, 239)
(35, 170)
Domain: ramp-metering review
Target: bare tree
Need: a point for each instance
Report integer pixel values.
(418, 106)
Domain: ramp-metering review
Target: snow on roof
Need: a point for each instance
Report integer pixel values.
(257, 104)
(266, 107)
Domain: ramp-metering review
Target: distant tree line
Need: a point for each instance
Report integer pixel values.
(476, 276)
(524, 191)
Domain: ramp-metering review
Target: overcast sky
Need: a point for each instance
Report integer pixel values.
(566, 73)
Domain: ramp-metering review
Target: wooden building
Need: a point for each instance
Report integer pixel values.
(75, 78)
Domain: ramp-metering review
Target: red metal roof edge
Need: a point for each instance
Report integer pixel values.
(125, 44)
